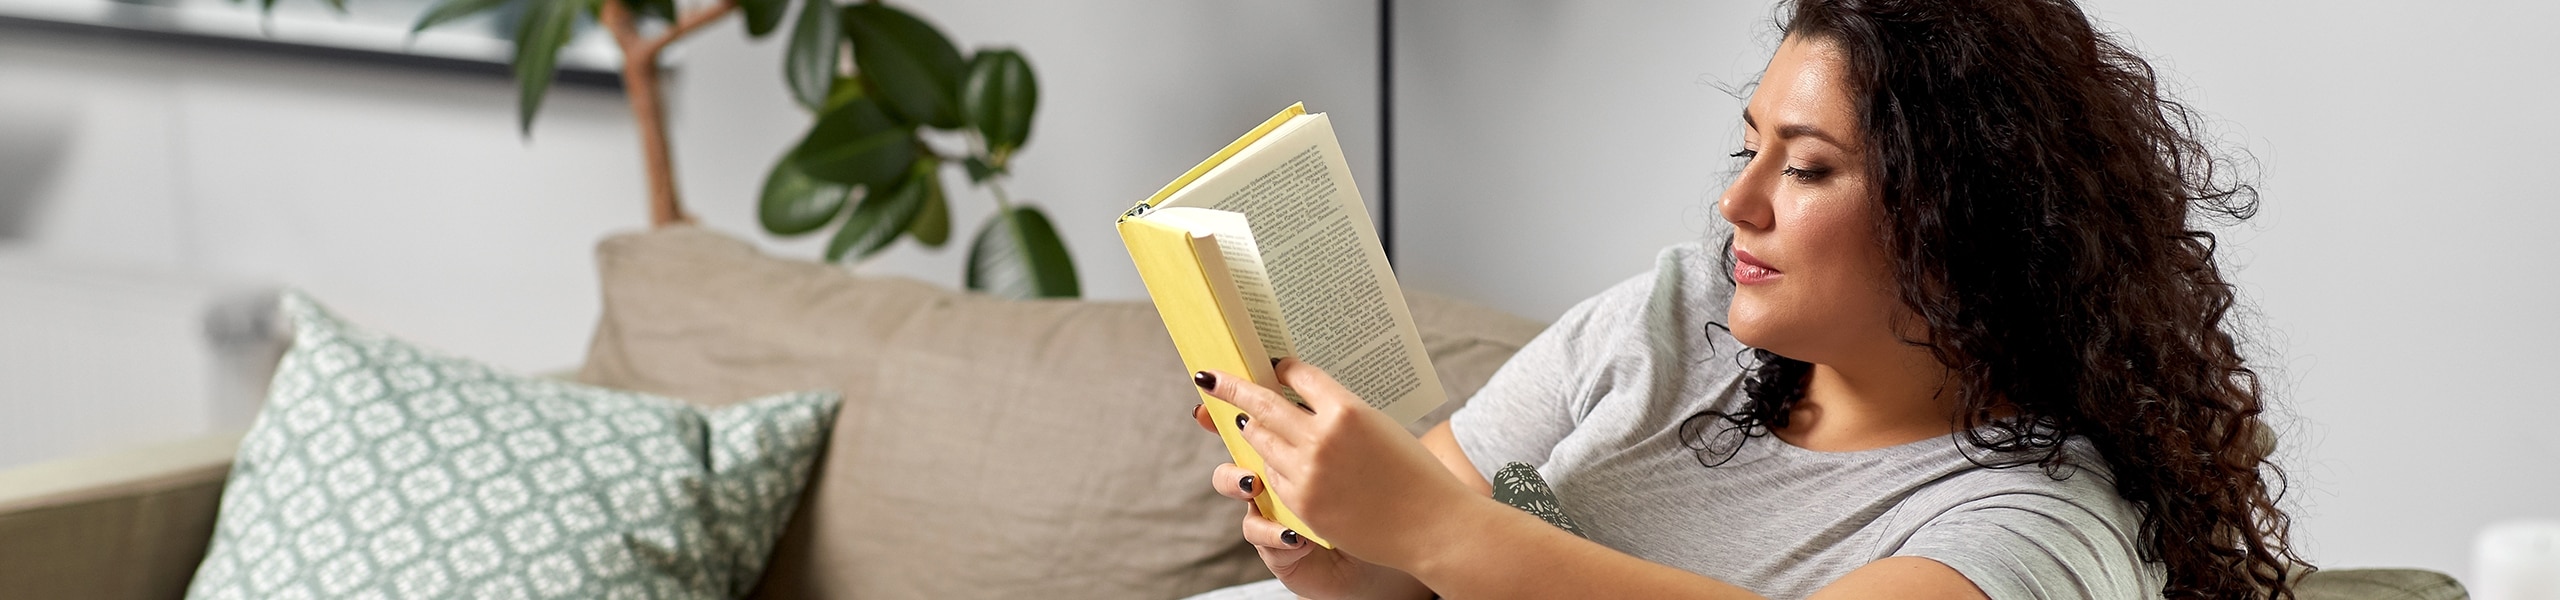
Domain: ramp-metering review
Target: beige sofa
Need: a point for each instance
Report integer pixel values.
(986, 449)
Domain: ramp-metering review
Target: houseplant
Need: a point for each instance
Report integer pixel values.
(876, 79)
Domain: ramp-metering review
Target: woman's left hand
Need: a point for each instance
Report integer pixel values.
(1349, 471)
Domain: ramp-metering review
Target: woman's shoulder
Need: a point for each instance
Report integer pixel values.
(1684, 271)
(1683, 292)
(2076, 480)
(1664, 325)
(2015, 526)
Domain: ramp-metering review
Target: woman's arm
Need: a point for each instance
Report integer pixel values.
(1443, 444)
(1353, 473)
(1491, 550)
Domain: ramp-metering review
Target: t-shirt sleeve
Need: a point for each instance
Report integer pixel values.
(1536, 398)
(2071, 542)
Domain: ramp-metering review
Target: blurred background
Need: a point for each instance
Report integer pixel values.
(2400, 282)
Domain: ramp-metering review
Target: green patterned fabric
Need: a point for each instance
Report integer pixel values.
(382, 470)
(1520, 486)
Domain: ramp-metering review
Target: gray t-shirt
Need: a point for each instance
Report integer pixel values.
(1596, 404)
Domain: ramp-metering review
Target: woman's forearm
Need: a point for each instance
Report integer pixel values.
(1485, 549)
(1396, 585)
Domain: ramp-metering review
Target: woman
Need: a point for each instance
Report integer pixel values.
(1961, 343)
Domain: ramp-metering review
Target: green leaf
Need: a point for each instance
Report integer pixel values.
(545, 28)
(449, 10)
(998, 99)
(810, 61)
(795, 203)
(979, 170)
(914, 69)
(857, 144)
(876, 221)
(932, 225)
(1018, 255)
(763, 15)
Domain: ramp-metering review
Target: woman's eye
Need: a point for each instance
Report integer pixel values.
(1746, 154)
(1806, 175)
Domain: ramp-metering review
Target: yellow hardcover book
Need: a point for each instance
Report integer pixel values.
(1286, 114)
(1266, 250)
(1185, 275)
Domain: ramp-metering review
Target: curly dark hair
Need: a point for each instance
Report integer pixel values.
(2041, 202)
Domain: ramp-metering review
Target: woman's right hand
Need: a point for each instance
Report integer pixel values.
(1310, 571)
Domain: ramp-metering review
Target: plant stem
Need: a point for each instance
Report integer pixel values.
(640, 85)
(1004, 203)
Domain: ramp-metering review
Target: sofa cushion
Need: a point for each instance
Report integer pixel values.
(987, 448)
(380, 469)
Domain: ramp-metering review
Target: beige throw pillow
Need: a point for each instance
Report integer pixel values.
(986, 448)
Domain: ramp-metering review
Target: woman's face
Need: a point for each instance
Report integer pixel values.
(1812, 273)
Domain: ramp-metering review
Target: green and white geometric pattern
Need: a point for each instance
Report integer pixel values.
(382, 470)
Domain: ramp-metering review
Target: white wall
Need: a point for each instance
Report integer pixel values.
(1546, 150)
(403, 198)
(1132, 93)
(406, 200)
(2403, 271)
(2404, 263)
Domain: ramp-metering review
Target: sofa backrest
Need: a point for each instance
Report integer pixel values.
(987, 448)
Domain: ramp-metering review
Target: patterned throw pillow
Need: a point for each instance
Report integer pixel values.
(382, 470)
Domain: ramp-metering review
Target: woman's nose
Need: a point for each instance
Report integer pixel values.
(1746, 202)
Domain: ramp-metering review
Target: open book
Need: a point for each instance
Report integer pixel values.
(1265, 250)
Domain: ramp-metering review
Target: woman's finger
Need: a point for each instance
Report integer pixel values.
(1200, 413)
(1274, 540)
(1235, 482)
(1269, 441)
(1256, 401)
(1315, 385)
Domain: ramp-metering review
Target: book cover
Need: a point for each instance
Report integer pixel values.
(1265, 250)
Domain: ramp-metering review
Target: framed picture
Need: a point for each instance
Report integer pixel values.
(367, 29)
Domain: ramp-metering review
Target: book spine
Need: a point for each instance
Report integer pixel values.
(1205, 333)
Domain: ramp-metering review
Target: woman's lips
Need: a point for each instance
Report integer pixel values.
(1748, 270)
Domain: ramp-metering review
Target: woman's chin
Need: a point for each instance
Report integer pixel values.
(1748, 321)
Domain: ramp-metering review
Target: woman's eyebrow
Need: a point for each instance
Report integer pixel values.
(1791, 130)
(1803, 130)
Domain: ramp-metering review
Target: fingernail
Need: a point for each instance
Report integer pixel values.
(1275, 362)
(1240, 419)
(1245, 484)
(1204, 380)
(1290, 537)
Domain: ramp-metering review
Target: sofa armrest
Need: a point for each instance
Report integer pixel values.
(129, 525)
(2379, 584)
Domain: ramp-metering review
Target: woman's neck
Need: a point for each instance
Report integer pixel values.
(1893, 399)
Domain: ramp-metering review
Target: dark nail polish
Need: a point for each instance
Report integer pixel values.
(1240, 419)
(1204, 380)
(1245, 484)
(1275, 362)
(1290, 537)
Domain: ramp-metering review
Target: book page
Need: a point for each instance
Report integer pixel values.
(1337, 296)
(1244, 268)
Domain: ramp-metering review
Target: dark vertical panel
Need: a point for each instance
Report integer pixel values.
(1387, 127)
